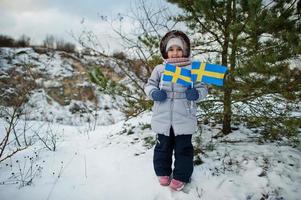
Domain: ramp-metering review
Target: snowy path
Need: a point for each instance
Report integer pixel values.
(94, 168)
(104, 165)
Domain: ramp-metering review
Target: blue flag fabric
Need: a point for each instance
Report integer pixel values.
(208, 73)
(200, 72)
(177, 74)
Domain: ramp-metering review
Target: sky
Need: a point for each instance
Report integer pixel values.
(37, 18)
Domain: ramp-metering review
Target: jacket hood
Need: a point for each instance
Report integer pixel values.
(173, 34)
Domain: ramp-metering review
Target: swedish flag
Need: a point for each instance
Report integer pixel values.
(208, 73)
(177, 75)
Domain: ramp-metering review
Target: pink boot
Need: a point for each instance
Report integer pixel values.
(164, 180)
(177, 185)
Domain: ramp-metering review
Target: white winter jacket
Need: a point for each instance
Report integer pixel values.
(176, 110)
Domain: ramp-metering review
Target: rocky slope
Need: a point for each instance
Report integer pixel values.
(43, 80)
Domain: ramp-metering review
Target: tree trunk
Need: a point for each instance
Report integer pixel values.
(227, 112)
(227, 90)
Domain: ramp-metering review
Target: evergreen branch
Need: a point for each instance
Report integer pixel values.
(125, 95)
(194, 15)
(204, 43)
(202, 51)
(130, 77)
(207, 50)
(215, 18)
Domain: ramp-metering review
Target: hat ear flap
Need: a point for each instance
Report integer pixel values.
(186, 50)
(163, 45)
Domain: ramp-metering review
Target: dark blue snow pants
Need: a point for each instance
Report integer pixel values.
(182, 146)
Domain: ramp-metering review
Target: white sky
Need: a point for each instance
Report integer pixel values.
(37, 18)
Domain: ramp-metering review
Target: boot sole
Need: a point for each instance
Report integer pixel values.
(178, 189)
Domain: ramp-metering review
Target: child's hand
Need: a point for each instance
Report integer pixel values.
(192, 94)
(159, 95)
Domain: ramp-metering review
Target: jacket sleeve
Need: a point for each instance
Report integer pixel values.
(153, 82)
(203, 91)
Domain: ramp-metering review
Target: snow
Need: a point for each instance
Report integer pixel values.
(51, 68)
(41, 107)
(99, 155)
(51, 83)
(295, 63)
(111, 162)
(52, 65)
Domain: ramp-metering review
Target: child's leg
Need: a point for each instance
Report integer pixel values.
(163, 155)
(183, 158)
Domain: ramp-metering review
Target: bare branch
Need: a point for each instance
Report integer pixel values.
(13, 153)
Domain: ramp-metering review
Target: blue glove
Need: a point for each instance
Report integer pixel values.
(192, 94)
(159, 95)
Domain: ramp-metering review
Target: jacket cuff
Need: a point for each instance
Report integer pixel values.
(202, 94)
(150, 93)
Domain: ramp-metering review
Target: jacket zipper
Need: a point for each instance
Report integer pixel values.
(171, 104)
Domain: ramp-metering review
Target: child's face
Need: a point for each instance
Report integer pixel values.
(175, 52)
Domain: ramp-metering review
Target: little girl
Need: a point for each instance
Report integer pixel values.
(174, 118)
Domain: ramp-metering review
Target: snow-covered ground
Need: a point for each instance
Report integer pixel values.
(106, 112)
(115, 162)
(99, 156)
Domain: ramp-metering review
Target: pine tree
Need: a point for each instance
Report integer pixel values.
(256, 40)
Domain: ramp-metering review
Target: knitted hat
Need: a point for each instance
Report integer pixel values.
(174, 42)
